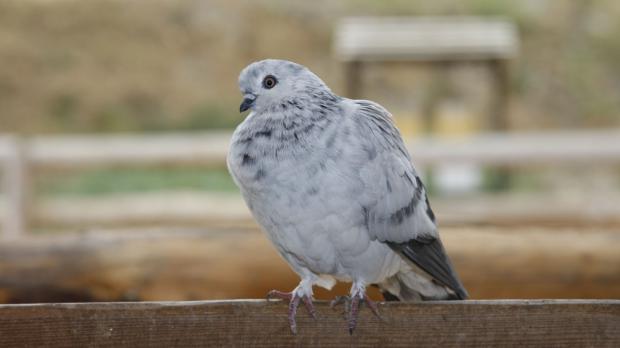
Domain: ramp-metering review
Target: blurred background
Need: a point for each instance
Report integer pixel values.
(115, 118)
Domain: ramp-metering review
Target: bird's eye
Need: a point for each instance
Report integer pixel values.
(269, 81)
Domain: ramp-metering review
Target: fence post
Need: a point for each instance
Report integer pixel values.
(15, 189)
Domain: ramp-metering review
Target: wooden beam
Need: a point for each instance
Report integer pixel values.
(257, 323)
(177, 264)
(130, 149)
(201, 209)
(511, 149)
(545, 149)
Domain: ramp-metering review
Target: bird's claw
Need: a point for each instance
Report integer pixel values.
(276, 294)
(294, 300)
(352, 305)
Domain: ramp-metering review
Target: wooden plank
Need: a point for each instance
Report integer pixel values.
(130, 149)
(185, 264)
(424, 38)
(144, 209)
(182, 208)
(257, 323)
(520, 149)
(511, 149)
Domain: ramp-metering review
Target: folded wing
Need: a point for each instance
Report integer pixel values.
(396, 209)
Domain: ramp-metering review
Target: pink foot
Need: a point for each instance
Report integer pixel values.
(294, 300)
(352, 306)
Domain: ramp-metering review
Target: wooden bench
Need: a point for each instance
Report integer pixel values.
(437, 41)
(440, 43)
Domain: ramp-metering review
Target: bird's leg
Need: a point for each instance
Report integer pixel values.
(302, 293)
(352, 304)
(358, 296)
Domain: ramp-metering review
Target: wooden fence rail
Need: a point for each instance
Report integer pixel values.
(257, 323)
(18, 155)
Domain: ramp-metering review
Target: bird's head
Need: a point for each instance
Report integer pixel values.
(270, 82)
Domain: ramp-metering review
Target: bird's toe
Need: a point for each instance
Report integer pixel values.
(294, 300)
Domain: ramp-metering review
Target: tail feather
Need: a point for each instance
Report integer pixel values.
(412, 285)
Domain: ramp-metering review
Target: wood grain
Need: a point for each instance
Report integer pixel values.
(547, 323)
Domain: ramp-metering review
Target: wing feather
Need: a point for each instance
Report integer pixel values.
(397, 211)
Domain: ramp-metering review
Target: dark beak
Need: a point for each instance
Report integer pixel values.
(248, 102)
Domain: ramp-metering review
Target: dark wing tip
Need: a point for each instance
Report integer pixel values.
(428, 253)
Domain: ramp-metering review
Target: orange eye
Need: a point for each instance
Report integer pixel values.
(269, 81)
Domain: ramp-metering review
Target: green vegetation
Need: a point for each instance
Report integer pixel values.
(132, 180)
(498, 180)
(109, 181)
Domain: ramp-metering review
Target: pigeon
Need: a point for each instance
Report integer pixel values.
(332, 185)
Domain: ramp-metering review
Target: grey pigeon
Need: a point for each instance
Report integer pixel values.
(331, 183)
